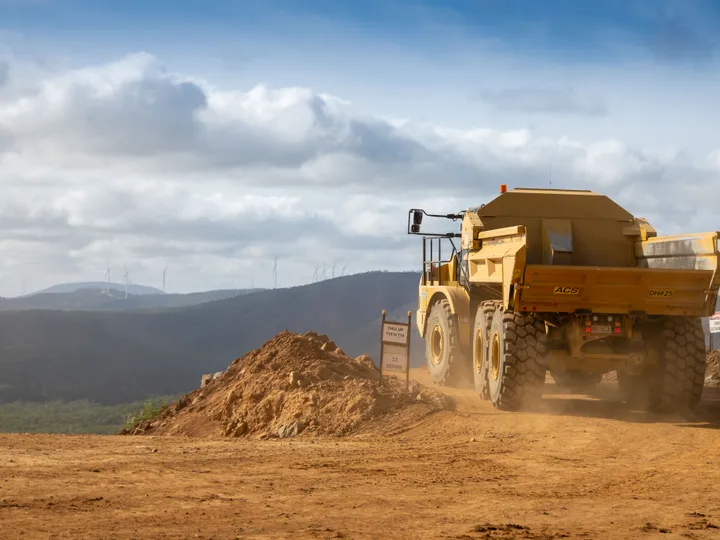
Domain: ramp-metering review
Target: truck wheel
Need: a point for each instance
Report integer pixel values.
(481, 331)
(675, 383)
(516, 344)
(681, 373)
(443, 353)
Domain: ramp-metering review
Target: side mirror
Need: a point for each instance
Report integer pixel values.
(417, 221)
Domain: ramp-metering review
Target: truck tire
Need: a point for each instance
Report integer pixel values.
(481, 332)
(516, 344)
(675, 384)
(443, 352)
(681, 374)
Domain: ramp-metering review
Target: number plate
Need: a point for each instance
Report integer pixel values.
(601, 329)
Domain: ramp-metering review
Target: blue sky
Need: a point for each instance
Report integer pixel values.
(617, 96)
(564, 29)
(426, 60)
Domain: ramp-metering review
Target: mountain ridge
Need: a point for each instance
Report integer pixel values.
(119, 356)
(89, 299)
(133, 288)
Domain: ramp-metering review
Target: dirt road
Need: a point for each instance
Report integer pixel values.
(581, 468)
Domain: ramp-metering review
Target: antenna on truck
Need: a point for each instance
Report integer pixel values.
(550, 167)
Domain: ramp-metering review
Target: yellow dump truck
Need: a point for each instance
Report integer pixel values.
(566, 282)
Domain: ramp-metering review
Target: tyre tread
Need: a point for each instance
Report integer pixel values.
(523, 376)
(682, 379)
(455, 357)
(488, 308)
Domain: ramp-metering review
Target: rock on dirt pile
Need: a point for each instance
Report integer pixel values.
(712, 370)
(293, 385)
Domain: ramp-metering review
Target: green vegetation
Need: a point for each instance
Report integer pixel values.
(76, 417)
(148, 411)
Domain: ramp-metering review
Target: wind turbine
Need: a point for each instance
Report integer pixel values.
(275, 274)
(333, 270)
(126, 278)
(164, 274)
(343, 270)
(107, 280)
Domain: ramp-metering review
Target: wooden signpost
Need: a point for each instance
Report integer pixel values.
(395, 347)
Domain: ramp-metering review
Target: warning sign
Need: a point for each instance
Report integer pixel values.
(395, 347)
(714, 322)
(395, 358)
(395, 333)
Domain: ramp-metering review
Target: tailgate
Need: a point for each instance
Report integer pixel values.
(656, 291)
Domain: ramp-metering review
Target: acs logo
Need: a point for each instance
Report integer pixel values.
(566, 290)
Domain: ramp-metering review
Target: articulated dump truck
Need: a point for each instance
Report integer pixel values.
(566, 282)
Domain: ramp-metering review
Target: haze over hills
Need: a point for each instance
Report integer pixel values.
(115, 357)
(116, 354)
(96, 299)
(132, 288)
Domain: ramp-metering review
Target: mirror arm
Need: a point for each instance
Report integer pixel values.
(416, 221)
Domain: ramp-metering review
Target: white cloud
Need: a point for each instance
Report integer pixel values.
(543, 101)
(131, 163)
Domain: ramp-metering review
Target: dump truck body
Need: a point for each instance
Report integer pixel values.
(596, 284)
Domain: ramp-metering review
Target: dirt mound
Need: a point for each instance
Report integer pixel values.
(292, 385)
(712, 371)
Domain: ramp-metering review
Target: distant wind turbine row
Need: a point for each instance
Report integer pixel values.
(321, 272)
(126, 279)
